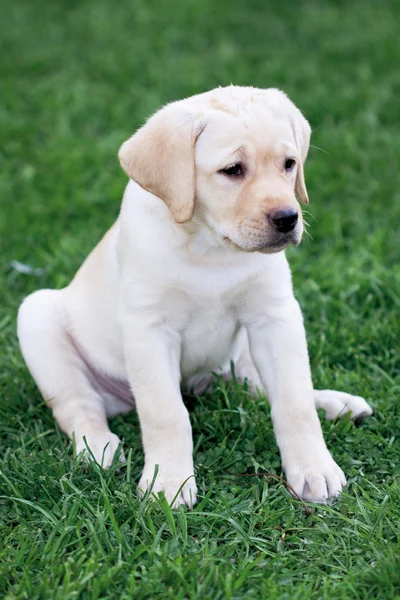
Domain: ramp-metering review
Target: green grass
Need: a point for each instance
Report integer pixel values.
(76, 79)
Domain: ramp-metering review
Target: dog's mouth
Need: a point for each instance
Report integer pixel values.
(264, 246)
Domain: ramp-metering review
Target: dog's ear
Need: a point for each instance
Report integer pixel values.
(160, 158)
(302, 134)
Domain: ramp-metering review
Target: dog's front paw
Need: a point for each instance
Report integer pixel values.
(337, 404)
(178, 486)
(102, 448)
(314, 476)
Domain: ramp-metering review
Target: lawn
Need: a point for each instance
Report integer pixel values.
(76, 79)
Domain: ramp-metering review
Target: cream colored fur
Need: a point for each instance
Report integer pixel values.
(192, 276)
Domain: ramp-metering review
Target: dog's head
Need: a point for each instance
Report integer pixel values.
(234, 157)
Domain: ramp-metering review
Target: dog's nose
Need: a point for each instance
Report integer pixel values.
(284, 220)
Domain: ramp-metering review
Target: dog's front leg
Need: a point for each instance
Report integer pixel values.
(279, 350)
(152, 356)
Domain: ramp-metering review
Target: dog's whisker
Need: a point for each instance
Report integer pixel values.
(318, 148)
(309, 214)
(308, 234)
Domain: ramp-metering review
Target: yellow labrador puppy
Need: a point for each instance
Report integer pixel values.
(192, 275)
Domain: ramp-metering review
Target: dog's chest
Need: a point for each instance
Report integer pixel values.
(205, 308)
(208, 337)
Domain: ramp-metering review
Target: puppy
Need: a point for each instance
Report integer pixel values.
(192, 276)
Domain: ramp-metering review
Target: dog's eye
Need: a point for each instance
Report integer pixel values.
(233, 171)
(289, 164)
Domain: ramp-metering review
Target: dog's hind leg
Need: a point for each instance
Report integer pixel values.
(61, 376)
